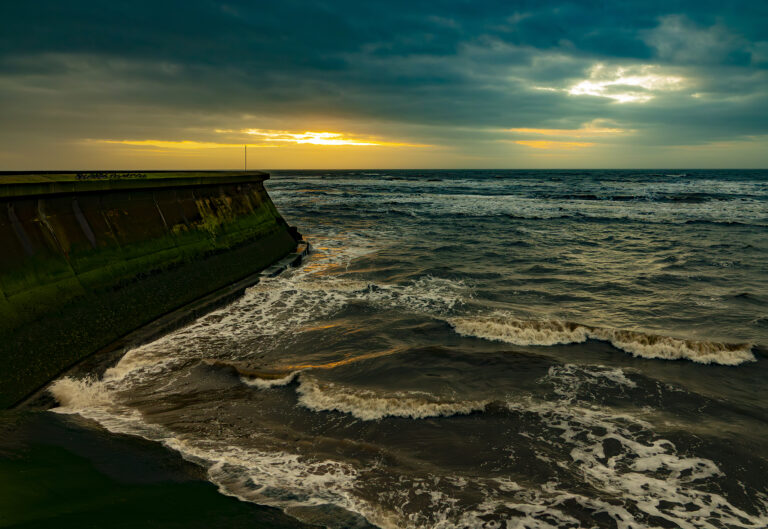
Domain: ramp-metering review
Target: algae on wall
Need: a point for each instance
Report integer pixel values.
(79, 270)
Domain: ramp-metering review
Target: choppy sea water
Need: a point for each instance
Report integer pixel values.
(522, 349)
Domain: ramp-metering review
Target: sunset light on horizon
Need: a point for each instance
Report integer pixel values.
(487, 85)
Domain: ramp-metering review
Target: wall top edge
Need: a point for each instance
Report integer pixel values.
(36, 183)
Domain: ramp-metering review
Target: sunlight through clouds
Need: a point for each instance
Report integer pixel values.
(437, 83)
(321, 138)
(627, 84)
(181, 145)
(265, 138)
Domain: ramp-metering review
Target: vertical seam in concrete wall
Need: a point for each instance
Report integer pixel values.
(43, 218)
(83, 222)
(162, 217)
(168, 228)
(18, 229)
(109, 224)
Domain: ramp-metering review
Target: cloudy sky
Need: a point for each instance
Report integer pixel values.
(414, 83)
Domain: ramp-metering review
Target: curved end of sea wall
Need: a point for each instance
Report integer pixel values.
(87, 258)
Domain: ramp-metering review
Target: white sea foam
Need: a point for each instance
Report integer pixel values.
(571, 377)
(369, 405)
(491, 199)
(503, 327)
(425, 295)
(99, 401)
(266, 383)
(667, 348)
(280, 306)
(646, 471)
(147, 360)
(274, 478)
(74, 394)
(649, 473)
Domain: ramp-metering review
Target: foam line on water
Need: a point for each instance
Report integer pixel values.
(267, 383)
(369, 405)
(503, 327)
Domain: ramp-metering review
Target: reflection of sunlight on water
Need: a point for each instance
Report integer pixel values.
(320, 327)
(345, 361)
(333, 252)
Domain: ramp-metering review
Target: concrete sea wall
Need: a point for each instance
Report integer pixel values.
(84, 261)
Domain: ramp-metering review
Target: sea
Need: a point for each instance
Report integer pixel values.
(480, 349)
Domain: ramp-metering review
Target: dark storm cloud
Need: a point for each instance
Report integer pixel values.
(64, 66)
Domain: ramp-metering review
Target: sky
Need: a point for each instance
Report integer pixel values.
(371, 84)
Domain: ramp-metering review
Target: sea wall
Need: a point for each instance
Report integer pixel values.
(85, 261)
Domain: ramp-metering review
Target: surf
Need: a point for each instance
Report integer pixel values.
(506, 328)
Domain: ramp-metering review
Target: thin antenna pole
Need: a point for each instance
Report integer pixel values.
(245, 154)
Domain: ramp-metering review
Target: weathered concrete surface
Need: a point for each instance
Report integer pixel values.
(85, 262)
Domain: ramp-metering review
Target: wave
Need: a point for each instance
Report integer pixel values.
(520, 332)
(668, 348)
(585, 217)
(638, 474)
(505, 328)
(723, 222)
(74, 394)
(652, 475)
(99, 400)
(729, 206)
(364, 404)
(691, 198)
(368, 405)
(259, 378)
(280, 479)
(263, 382)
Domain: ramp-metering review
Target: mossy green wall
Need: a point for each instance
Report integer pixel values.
(80, 269)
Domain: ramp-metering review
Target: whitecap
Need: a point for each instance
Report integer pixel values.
(266, 383)
(368, 405)
(503, 327)
(75, 394)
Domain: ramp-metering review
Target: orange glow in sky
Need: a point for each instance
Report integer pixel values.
(321, 138)
(589, 129)
(544, 144)
(266, 138)
(182, 144)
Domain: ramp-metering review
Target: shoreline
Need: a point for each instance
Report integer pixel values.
(93, 474)
(99, 361)
(68, 471)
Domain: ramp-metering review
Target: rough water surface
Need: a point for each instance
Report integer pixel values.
(481, 349)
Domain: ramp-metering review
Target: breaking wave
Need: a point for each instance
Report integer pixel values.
(502, 327)
(616, 454)
(74, 394)
(262, 382)
(368, 405)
